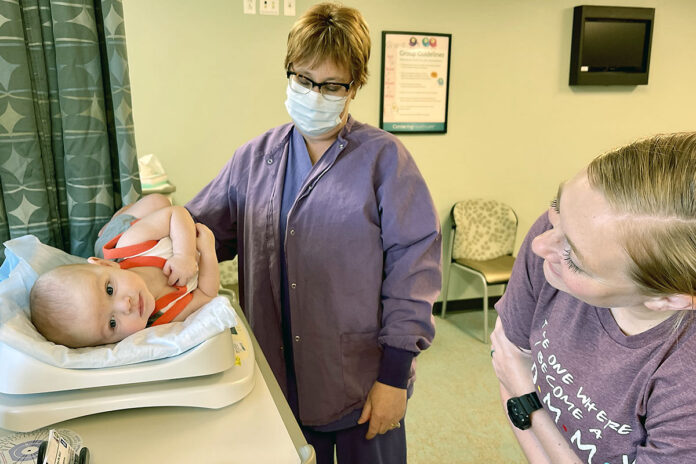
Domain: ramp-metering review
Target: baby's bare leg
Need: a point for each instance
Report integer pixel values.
(142, 207)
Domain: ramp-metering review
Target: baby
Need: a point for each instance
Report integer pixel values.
(160, 268)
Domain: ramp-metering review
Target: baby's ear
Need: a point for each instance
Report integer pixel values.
(101, 262)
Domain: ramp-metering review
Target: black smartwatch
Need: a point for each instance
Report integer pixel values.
(520, 407)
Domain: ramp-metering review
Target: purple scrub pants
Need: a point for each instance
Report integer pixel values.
(352, 447)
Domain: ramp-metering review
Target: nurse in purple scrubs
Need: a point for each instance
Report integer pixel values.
(339, 248)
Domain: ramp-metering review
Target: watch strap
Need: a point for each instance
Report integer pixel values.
(530, 402)
(521, 407)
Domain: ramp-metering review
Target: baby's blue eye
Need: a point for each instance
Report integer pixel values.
(112, 323)
(109, 289)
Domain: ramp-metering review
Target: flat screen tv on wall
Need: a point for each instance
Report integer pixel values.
(611, 45)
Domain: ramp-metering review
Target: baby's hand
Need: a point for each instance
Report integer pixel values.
(205, 240)
(180, 269)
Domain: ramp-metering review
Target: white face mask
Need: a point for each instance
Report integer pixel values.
(313, 114)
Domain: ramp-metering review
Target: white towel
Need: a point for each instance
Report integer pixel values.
(26, 258)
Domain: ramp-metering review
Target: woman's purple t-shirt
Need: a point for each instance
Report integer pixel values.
(617, 399)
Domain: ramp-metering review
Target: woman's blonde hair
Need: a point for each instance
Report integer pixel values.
(331, 31)
(652, 183)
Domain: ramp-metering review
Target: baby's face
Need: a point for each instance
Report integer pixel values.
(113, 304)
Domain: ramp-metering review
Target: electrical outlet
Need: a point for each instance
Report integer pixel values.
(269, 7)
(249, 6)
(289, 7)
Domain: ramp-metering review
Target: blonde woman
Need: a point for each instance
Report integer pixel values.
(339, 248)
(602, 295)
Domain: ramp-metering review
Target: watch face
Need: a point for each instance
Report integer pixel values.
(518, 416)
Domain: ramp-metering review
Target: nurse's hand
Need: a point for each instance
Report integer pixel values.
(384, 408)
(512, 365)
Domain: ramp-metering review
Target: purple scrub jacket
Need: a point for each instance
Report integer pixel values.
(363, 248)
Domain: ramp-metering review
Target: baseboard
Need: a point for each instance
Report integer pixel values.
(461, 305)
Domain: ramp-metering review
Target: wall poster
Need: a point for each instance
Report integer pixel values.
(415, 82)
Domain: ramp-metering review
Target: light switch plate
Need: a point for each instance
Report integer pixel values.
(249, 6)
(289, 7)
(269, 7)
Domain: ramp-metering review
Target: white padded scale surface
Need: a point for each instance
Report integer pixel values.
(23, 374)
(201, 383)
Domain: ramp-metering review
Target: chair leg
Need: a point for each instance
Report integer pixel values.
(445, 289)
(485, 313)
(447, 260)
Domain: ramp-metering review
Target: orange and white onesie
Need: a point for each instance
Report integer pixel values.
(154, 253)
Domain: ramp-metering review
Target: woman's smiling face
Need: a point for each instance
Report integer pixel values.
(583, 255)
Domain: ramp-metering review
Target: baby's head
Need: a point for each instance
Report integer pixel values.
(90, 304)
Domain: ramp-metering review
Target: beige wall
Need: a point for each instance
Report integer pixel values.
(206, 78)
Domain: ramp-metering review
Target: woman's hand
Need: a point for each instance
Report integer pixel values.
(512, 365)
(385, 406)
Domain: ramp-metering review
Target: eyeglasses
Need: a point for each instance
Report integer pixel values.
(329, 90)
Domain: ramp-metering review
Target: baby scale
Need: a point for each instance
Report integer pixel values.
(214, 374)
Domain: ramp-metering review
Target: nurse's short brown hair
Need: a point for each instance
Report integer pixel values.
(331, 31)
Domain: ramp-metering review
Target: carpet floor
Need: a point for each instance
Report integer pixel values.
(455, 414)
